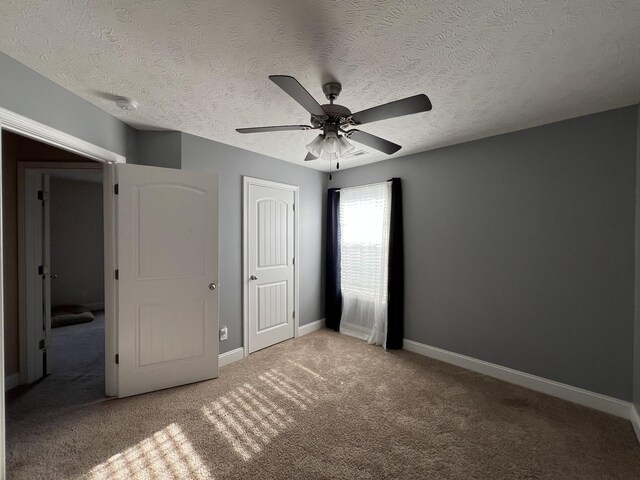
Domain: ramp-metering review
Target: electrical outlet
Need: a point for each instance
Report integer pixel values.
(224, 333)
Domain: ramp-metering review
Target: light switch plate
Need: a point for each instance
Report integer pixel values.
(224, 333)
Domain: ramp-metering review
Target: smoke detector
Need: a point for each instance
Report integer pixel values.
(126, 103)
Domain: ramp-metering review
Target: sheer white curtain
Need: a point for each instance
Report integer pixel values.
(364, 243)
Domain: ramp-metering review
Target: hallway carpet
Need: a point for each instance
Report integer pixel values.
(77, 372)
(327, 406)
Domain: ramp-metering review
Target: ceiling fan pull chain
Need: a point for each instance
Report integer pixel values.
(337, 165)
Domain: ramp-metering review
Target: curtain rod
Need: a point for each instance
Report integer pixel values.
(364, 185)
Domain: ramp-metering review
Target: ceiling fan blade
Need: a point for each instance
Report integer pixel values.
(310, 156)
(279, 128)
(372, 141)
(399, 108)
(296, 91)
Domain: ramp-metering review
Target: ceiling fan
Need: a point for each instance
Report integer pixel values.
(332, 119)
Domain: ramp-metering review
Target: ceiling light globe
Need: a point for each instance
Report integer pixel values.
(315, 147)
(345, 147)
(331, 143)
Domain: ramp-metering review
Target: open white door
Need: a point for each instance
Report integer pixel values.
(46, 278)
(167, 261)
(37, 327)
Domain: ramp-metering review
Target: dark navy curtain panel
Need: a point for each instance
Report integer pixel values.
(395, 306)
(333, 293)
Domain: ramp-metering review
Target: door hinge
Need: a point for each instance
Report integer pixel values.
(117, 359)
(294, 207)
(42, 195)
(117, 274)
(294, 314)
(293, 261)
(40, 269)
(115, 189)
(41, 344)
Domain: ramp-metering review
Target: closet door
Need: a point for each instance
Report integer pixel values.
(270, 241)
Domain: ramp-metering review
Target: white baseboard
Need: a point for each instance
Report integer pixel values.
(310, 327)
(635, 420)
(12, 381)
(230, 357)
(238, 353)
(577, 395)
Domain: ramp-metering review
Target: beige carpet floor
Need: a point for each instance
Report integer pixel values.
(327, 406)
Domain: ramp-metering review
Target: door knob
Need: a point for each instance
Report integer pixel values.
(253, 277)
(54, 276)
(212, 286)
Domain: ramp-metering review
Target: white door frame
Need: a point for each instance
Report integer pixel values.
(22, 125)
(27, 276)
(247, 181)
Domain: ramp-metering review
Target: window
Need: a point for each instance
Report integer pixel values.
(364, 244)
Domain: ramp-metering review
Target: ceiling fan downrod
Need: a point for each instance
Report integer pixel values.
(331, 90)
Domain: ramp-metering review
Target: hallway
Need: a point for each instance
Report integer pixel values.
(77, 378)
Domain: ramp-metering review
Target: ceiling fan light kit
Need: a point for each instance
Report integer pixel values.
(332, 119)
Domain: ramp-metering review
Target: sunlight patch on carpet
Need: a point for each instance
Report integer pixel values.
(165, 454)
(308, 370)
(250, 416)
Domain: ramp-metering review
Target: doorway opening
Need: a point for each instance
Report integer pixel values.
(54, 277)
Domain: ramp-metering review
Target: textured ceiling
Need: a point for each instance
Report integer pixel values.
(201, 67)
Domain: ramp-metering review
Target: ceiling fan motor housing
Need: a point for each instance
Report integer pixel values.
(337, 114)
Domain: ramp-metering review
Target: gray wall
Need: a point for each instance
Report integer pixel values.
(520, 248)
(636, 365)
(231, 164)
(159, 149)
(28, 93)
(77, 251)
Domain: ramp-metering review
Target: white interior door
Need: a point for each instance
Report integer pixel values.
(37, 278)
(46, 277)
(167, 260)
(270, 243)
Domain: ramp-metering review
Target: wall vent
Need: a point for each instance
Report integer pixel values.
(357, 153)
